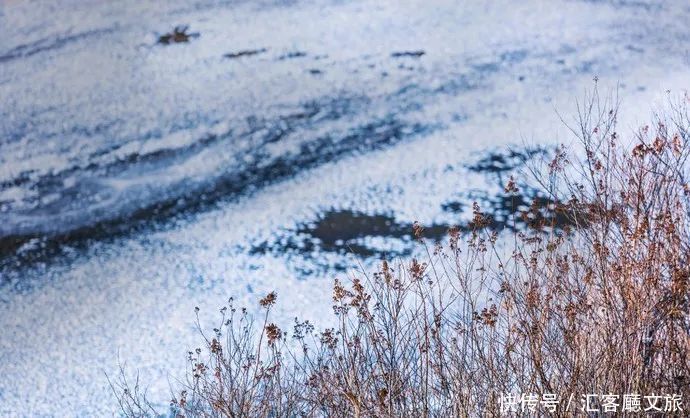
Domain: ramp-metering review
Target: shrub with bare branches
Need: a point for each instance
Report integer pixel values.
(598, 307)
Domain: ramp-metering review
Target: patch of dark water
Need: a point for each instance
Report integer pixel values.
(31, 247)
(244, 53)
(498, 165)
(409, 54)
(49, 43)
(345, 231)
(292, 55)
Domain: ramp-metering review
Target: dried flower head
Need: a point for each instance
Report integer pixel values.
(273, 333)
(269, 300)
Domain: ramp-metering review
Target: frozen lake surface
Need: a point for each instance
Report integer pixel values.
(139, 179)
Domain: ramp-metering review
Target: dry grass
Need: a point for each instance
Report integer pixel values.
(601, 308)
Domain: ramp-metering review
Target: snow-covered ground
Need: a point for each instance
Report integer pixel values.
(139, 180)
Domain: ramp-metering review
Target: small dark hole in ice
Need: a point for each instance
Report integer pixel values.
(244, 53)
(410, 54)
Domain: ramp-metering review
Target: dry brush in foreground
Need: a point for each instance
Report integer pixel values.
(600, 307)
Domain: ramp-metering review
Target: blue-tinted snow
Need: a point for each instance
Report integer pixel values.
(176, 159)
